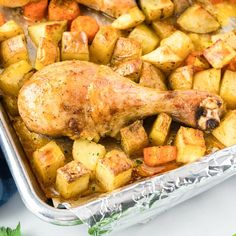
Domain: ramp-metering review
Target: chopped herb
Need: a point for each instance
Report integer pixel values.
(138, 162)
(10, 232)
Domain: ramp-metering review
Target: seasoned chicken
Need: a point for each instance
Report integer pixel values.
(82, 99)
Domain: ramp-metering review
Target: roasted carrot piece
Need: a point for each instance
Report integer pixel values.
(36, 10)
(63, 10)
(154, 156)
(87, 24)
(2, 19)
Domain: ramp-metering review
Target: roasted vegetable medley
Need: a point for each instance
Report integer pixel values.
(159, 44)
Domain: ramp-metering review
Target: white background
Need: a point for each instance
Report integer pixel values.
(212, 213)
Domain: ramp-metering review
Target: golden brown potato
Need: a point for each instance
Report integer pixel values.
(9, 30)
(114, 170)
(129, 20)
(14, 50)
(72, 179)
(156, 10)
(134, 139)
(181, 5)
(197, 20)
(163, 58)
(226, 131)
(126, 49)
(181, 78)
(212, 144)
(207, 80)
(228, 37)
(163, 28)
(10, 103)
(160, 129)
(228, 89)
(200, 41)
(74, 46)
(190, 145)
(152, 77)
(47, 53)
(103, 44)
(46, 161)
(10, 79)
(51, 30)
(179, 43)
(219, 54)
(148, 39)
(130, 69)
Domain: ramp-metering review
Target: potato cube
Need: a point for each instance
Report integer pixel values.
(179, 43)
(114, 170)
(197, 20)
(155, 156)
(163, 28)
(219, 54)
(51, 30)
(207, 80)
(9, 30)
(72, 179)
(88, 153)
(152, 77)
(130, 69)
(128, 20)
(10, 103)
(181, 78)
(126, 49)
(46, 161)
(74, 46)
(134, 139)
(229, 38)
(14, 50)
(160, 129)
(10, 79)
(47, 53)
(212, 144)
(228, 89)
(200, 41)
(226, 131)
(103, 44)
(181, 5)
(157, 9)
(163, 58)
(144, 34)
(190, 145)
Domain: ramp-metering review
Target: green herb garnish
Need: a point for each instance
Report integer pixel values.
(10, 232)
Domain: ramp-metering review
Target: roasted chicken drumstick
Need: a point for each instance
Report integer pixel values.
(82, 99)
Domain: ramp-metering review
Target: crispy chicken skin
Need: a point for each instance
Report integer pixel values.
(82, 99)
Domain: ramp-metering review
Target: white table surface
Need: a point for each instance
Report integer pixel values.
(212, 213)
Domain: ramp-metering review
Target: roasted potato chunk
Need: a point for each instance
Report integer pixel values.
(9, 30)
(148, 39)
(160, 129)
(10, 79)
(14, 50)
(152, 77)
(197, 20)
(181, 78)
(181, 5)
(129, 20)
(155, 156)
(207, 80)
(114, 170)
(219, 54)
(157, 9)
(163, 28)
(74, 46)
(46, 161)
(126, 49)
(10, 103)
(228, 89)
(88, 153)
(51, 30)
(190, 145)
(134, 139)
(200, 41)
(212, 144)
(163, 58)
(229, 38)
(130, 69)
(103, 44)
(179, 43)
(47, 53)
(226, 131)
(72, 179)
